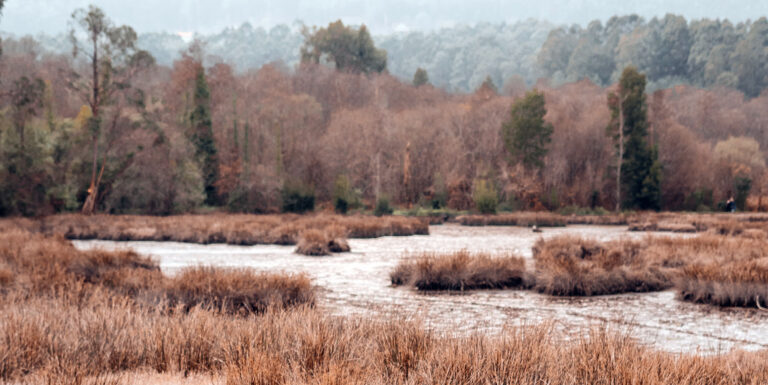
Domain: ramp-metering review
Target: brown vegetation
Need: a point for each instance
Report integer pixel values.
(38, 265)
(540, 219)
(72, 317)
(317, 242)
(239, 229)
(710, 268)
(576, 266)
(460, 271)
(48, 341)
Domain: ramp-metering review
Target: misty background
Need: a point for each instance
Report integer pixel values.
(459, 43)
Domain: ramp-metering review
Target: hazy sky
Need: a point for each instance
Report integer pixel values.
(382, 16)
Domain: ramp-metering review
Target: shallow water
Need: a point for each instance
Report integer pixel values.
(358, 283)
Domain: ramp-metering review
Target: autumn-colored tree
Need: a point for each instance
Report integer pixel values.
(113, 60)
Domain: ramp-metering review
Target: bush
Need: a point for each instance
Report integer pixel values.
(382, 207)
(298, 199)
(742, 187)
(485, 197)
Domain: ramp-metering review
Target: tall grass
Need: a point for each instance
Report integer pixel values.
(303, 346)
(460, 271)
(240, 229)
(72, 317)
(710, 268)
(36, 265)
(583, 267)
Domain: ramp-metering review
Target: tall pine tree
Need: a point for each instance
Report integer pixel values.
(526, 134)
(202, 138)
(639, 177)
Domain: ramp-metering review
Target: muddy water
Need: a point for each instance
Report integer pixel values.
(358, 283)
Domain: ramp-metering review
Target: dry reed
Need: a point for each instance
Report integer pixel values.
(709, 268)
(583, 267)
(67, 318)
(238, 229)
(460, 271)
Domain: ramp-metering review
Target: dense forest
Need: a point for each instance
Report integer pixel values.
(260, 121)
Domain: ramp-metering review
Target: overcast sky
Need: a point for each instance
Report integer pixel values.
(382, 16)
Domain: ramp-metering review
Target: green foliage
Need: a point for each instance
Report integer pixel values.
(297, 198)
(343, 196)
(640, 168)
(420, 77)
(699, 200)
(485, 197)
(382, 207)
(25, 171)
(351, 50)
(526, 134)
(202, 138)
(489, 85)
(742, 186)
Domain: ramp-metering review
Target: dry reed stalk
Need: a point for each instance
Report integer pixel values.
(461, 271)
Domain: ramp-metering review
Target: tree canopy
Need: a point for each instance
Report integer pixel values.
(351, 50)
(526, 134)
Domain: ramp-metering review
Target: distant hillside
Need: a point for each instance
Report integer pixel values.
(669, 50)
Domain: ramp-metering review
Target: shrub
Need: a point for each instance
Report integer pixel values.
(297, 198)
(485, 197)
(742, 186)
(382, 207)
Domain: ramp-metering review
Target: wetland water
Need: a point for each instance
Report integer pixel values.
(358, 283)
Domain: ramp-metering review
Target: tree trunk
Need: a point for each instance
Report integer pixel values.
(90, 202)
(621, 153)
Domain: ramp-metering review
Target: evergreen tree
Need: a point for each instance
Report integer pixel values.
(202, 138)
(420, 77)
(526, 134)
(640, 173)
(489, 85)
(349, 49)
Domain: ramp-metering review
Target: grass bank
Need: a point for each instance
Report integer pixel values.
(327, 231)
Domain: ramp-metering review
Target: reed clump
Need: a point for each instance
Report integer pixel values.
(36, 265)
(237, 229)
(461, 270)
(583, 267)
(710, 268)
(540, 219)
(314, 242)
(65, 320)
(237, 291)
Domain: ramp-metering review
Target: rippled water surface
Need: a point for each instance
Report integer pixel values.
(358, 283)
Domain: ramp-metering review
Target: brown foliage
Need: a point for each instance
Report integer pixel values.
(460, 271)
(714, 269)
(233, 229)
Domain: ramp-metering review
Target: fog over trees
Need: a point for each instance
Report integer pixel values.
(249, 119)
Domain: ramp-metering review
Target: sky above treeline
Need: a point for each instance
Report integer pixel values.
(381, 16)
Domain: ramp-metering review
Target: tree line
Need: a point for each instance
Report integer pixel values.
(669, 50)
(109, 129)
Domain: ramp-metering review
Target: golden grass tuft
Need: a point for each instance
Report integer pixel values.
(238, 291)
(460, 271)
(582, 267)
(715, 269)
(238, 229)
